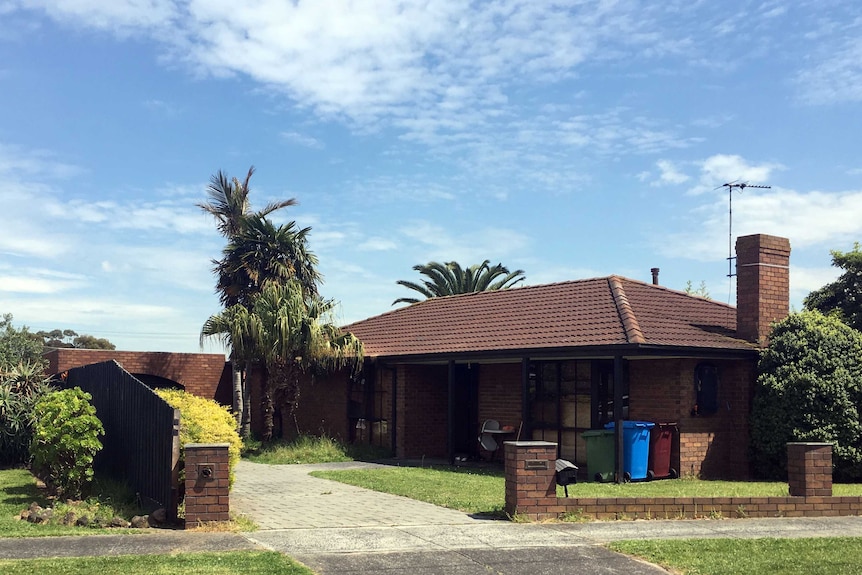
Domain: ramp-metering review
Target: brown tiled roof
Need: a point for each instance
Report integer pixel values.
(591, 313)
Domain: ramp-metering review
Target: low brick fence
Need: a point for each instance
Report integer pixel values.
(531, 491)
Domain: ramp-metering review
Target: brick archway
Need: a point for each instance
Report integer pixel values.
(203, 374)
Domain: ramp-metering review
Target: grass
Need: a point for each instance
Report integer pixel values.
(309, 449)
(18, 490)
(475, 491)
(819, 556)
(247, 562)
(471, 491)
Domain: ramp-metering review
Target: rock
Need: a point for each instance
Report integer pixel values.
(69, 518)
(42, 516)
(160, 515)
(119, 522)
(24, 515)
(140, 522)
(35, 507)
(82, 521)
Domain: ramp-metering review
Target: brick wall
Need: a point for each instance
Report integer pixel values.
(500, 393)
(322, 406)
(422, 400)
(762, 284)
(711, 446)
(532, 493)
(203, 374)
(207, 483)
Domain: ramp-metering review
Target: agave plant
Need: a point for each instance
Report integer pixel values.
(20, 387)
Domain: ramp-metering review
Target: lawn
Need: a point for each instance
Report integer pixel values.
(471, 491)
(18, 490)
(820, 556)
(309, 449)
(246, 562)
(478, 491)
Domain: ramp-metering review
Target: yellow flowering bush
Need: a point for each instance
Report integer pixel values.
(204, 421)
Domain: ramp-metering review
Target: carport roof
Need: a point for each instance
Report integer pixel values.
(593, 313)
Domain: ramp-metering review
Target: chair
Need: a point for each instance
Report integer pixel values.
(487, 439)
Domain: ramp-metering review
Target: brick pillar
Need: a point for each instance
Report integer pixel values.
(809, 469)
(762, 285)
(531, 483)
(207, 483)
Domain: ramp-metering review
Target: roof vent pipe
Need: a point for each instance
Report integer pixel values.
(654, 276)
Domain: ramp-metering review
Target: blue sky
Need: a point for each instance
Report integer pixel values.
(568, 139)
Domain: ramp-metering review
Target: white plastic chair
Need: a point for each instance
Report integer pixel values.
(488, 441)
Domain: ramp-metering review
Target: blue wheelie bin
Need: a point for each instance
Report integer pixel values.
(635, 448)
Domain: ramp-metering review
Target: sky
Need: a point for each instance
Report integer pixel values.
(569, 139)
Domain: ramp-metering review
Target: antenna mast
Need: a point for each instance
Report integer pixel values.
(730, 187)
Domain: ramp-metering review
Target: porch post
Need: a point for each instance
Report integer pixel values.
(618, 417)
(526, 422)
(450, 410)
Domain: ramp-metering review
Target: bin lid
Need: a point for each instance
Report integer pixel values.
(595, 432)
(631, 424)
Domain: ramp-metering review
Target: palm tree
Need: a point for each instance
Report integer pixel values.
(229, 203)
(261, 252)
(291, 332)
(451, 279)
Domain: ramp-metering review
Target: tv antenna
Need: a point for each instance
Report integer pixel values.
(734, 185)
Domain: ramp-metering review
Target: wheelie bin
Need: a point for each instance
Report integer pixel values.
(661, 444)
(635, 448)
(600, 454)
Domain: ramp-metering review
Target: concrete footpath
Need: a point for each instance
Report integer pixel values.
(335, 528)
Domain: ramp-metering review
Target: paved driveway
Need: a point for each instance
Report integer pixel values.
(337, 528)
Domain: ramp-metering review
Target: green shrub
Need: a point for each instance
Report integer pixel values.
(20, 387)
(204, 421)
(65, 440)
(808, 389)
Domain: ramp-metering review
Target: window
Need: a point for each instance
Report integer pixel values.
(705, 389)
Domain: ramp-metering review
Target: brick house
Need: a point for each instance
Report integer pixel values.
(554, 361)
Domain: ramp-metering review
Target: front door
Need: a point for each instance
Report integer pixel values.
(465, 398)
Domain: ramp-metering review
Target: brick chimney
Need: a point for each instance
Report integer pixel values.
(762, 285)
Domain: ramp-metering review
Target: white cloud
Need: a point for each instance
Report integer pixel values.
(38, 280)
(436, 243)
(808, 218)
(669, 174)
(724, 168)
(120, 16)
(302, 140)
(804, 280)
(377, 244)
(835, 72)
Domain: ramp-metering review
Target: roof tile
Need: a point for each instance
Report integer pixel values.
(583, 313)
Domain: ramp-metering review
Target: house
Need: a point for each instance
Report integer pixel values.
(553, 361)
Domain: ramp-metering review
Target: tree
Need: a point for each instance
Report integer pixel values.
(18, 346)
(700, 291)
(291, 332)
(451, 279)
(261, 252)
(67, 338)
(230, 205)
(842, 297)
(808, 389)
